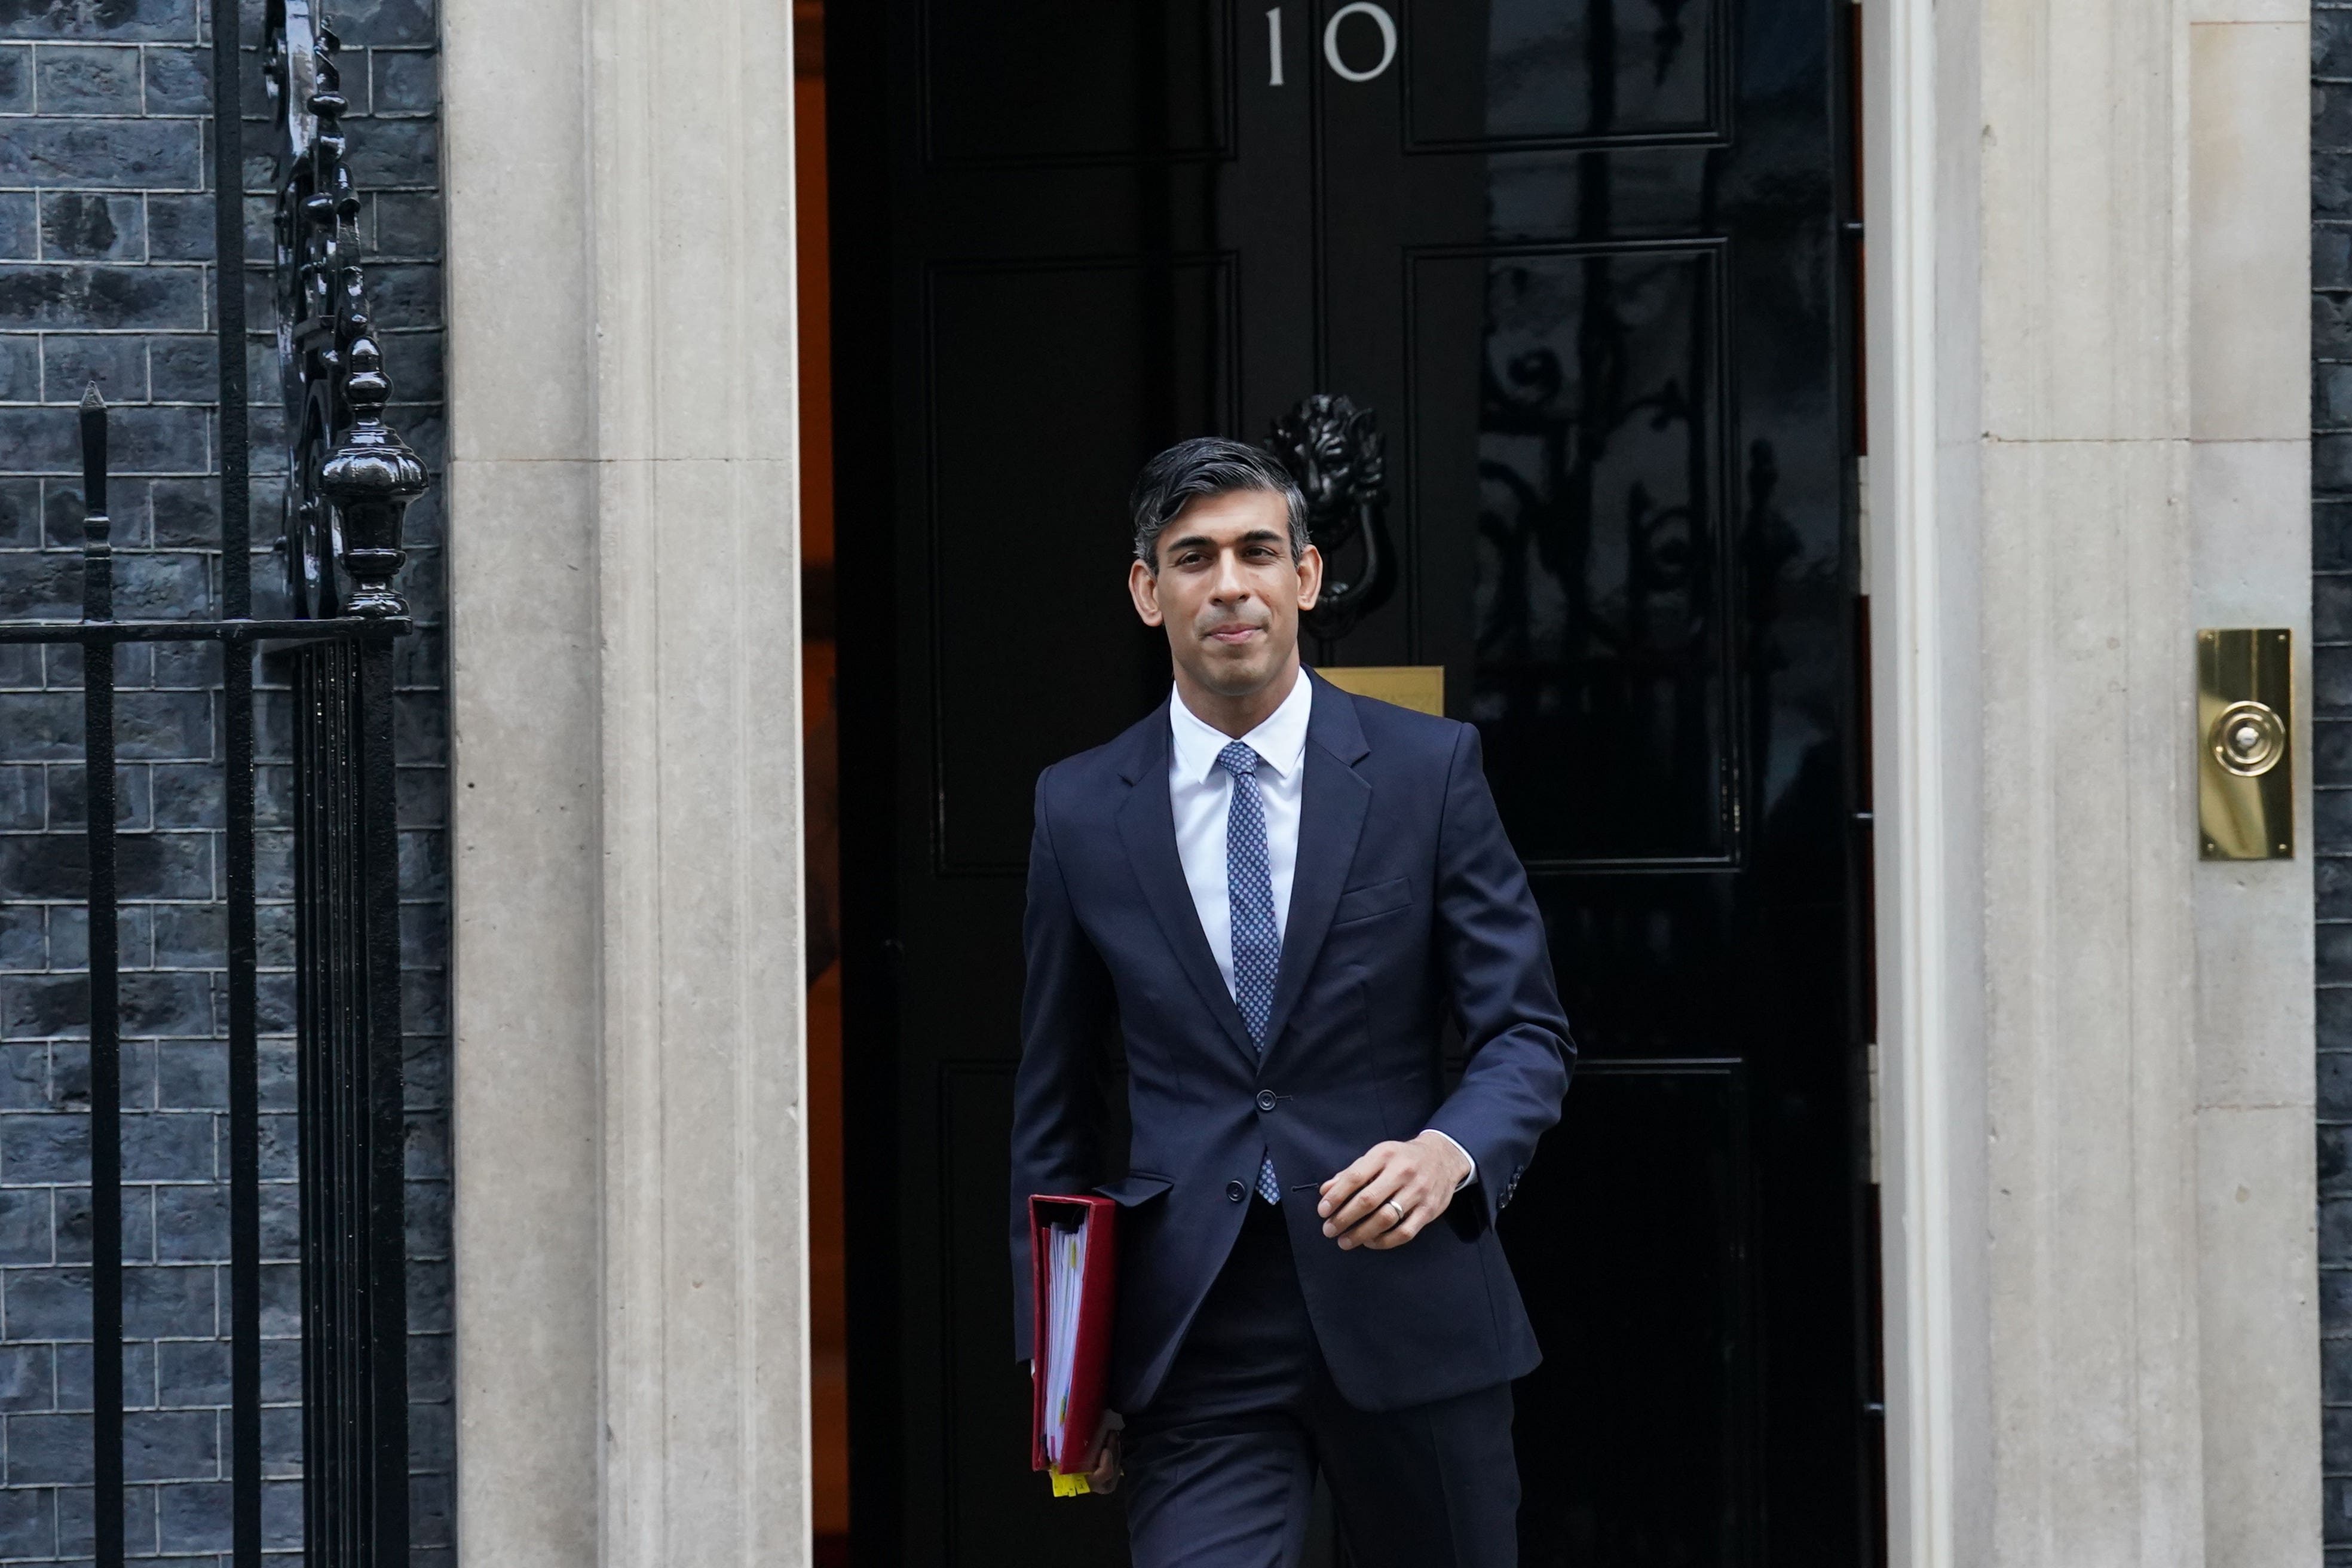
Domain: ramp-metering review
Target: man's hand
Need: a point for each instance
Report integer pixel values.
(1386, 1198)
(1104, 1476)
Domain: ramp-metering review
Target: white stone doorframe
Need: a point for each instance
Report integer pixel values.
(2087, 364)
(1924, 1114)
(2087, 368)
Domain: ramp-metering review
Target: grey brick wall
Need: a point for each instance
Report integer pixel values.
(106, 253)
(2331, 606)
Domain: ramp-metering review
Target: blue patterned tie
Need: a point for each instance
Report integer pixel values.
(1249, 886)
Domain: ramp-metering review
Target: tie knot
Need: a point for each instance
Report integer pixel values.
(1238, 759)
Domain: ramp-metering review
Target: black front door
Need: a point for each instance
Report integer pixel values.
(1585, 260)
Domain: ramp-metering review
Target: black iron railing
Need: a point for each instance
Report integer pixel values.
(350, 478)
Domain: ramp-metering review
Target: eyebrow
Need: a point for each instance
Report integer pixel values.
(1202, 541)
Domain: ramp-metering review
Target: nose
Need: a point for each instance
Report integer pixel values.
(1231, 584)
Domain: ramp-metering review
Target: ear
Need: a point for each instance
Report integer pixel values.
(1144, 589)
(1310, 577)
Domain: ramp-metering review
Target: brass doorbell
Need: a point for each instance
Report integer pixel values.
(2245, 763)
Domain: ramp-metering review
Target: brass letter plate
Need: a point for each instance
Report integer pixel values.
(2245, 744)
(1419, 686)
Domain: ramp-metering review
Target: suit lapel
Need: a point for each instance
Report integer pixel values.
(1147, 826)
(1333, 806)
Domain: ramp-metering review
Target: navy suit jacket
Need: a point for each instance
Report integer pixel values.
(1407, 902)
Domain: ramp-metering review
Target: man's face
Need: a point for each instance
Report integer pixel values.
(1229, 591)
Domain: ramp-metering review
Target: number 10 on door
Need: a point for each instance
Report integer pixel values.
(1383, 23)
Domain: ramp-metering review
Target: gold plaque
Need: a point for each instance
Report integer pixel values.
(2245, 762)
(1417, 685)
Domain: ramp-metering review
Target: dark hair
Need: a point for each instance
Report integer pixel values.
(1208, 465)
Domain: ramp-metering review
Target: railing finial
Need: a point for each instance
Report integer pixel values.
(371, 479)
(97, 531)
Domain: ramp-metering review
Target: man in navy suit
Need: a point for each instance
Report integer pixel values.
(1276, 892)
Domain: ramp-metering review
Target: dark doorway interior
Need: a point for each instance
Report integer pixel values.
(1588, 264)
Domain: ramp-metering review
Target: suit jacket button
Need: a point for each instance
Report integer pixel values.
(1235, 1191)
(1265, 1099)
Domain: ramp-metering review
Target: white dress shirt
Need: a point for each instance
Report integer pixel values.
(1201, 793)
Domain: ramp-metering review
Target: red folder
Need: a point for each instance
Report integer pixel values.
(1080, 1427)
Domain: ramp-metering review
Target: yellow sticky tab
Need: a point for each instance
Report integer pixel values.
(1069, 1486)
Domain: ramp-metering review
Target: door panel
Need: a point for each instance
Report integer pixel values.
(1537, 74)
(1092, 360)
(1066, 81)
(1663, 1481)
(1566, 417)
(1584, 261)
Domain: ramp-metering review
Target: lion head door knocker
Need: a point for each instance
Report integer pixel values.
(1334, 451)
(350, 476)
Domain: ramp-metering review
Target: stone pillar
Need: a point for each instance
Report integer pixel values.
(631, 1270)
(2250, 509)
(2086, 643)
(2088, 381)
(526, 851)
(705, 1310)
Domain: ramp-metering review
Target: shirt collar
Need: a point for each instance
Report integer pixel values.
(1280, 740)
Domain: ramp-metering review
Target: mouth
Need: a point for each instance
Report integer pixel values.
(1234, 633)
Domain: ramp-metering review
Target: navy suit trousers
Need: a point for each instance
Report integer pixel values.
(1220, 1466)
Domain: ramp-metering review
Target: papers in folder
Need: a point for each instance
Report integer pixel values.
(1066, 1263)
(1074, 1285)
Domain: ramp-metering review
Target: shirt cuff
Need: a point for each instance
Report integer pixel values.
(1464, 1153)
